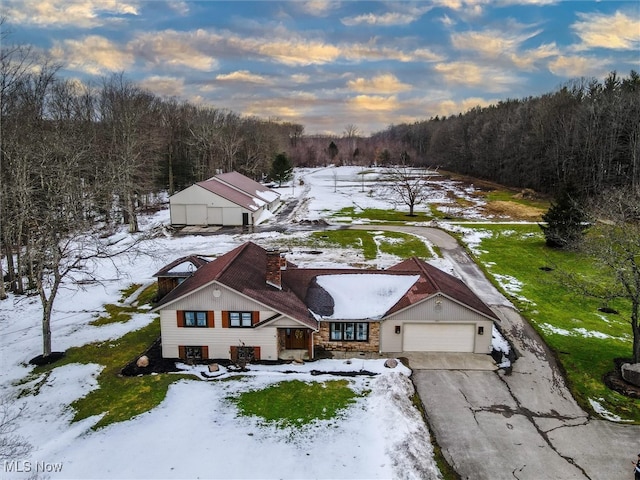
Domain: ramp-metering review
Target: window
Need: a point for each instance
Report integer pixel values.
(240, 319)
(195, 319)
(193, 353)
(349, 331)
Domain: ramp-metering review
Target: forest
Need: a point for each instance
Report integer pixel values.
(76, 156)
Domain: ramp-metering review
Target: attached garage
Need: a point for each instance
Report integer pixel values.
(439, 337)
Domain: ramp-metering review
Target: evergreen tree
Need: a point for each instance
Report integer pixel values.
(565, 221)
(281, 169)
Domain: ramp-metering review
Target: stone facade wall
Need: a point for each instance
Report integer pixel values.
(321, 339)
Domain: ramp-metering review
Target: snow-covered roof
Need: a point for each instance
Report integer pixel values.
(364, 296)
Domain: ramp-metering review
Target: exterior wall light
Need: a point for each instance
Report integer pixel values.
(480, 330)
(398, 329)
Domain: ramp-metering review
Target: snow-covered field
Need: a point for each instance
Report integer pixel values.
(196, 432)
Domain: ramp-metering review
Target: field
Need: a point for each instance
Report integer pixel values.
(81, 413)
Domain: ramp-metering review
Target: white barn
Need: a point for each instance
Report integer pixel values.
(226, 199)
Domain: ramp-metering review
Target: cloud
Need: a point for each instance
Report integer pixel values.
(499, 45)
(618, 31)
(174, 49)
(179, 6)
(242, 76)
(490, 43)
(164, 86)
(402, 16)
(93, 54)
(575, 66)
(318, 8)
(374, 102)
(385, 83)
(492, 79)
(385, 19)
(74, 13)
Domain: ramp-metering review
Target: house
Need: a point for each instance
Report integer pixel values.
(172, 275)
(252, 303)
(225, 199)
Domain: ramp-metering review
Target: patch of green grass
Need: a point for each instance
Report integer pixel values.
(357, 239)
(118, 398)
(379, 215)
(562, 316)
(372, 242)
(295, 403)
(402, 245)
(123, 313)
(114, 314)
(130, 290)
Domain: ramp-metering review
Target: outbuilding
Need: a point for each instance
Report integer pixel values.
(225, 199)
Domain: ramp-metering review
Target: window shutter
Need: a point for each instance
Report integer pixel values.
(180, 317)
(210, 320)
(182, 352)
(255, 317)
(256, 353)
(225, 319)
(205, 352)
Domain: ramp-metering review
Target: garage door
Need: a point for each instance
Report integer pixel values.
(196, 214)
(438, 337)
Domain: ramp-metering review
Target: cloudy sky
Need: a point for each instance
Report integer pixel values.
(328, 64)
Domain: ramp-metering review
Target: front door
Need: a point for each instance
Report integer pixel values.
(296, 339)
(245, 219)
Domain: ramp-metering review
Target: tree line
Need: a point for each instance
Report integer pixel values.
(585, 135)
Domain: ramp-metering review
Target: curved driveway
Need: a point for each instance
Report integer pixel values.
(522, 425)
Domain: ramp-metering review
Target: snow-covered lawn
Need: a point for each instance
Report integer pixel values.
(196, 431)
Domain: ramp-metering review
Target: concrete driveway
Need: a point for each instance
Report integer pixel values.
(525, 425)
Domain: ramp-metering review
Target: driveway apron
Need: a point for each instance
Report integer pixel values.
(523, 425)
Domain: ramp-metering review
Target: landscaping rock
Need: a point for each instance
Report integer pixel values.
(142, 362)
(631, 373)
(391, 363)
(214, 367)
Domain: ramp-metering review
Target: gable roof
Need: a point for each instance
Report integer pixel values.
(240, 190)
(181, 267)
(248, 186)
(433, 280)
(233, 195)
(243, 269)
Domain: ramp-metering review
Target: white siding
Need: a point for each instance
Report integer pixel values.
(196, 214)
(446, 311)
(188, 206)
(178, 214)
(214, 215)
(218, 339)
(438, 337)
(232, 216)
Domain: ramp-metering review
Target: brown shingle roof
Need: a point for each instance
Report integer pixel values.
(433, 280)
(243, 269)
(194, 260)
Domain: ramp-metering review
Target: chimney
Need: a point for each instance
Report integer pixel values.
(275, 264)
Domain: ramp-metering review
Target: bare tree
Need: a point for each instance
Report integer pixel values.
(407, 187)
(12, 446)
(615, 243)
